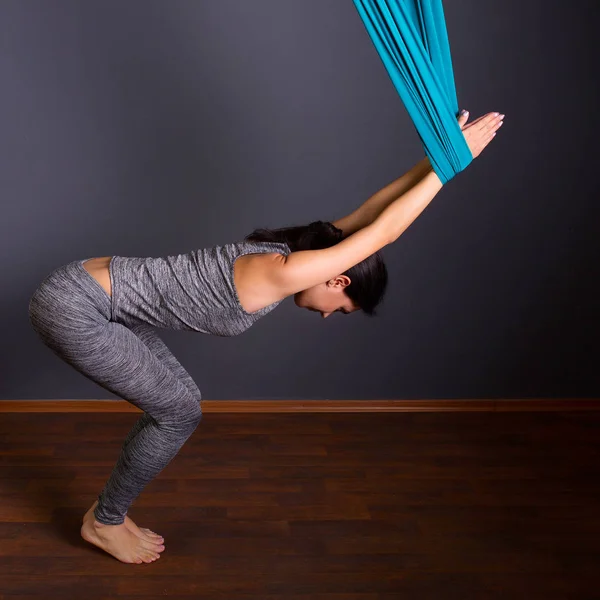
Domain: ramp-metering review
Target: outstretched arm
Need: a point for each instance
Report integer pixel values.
(378, 202)
(300, 270)
(367, 213)
(396, 218)
(401, 212)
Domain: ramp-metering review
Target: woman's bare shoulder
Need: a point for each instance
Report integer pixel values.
(254, 281)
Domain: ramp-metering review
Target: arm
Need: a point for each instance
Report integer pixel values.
(418, 187)
(396, 218)
(478, 135)
(302, 269)
(372, 208)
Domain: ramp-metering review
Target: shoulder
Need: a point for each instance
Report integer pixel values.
(255, 279)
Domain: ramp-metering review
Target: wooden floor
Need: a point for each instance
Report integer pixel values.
(445, 506)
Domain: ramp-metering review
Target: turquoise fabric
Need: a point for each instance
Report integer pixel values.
(412, 41)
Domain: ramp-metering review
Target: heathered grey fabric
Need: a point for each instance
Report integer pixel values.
(192, 291)
(113, 341)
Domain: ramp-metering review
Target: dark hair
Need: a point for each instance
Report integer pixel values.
(368, 278)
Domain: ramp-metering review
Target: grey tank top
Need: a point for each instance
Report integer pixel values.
(194, 291)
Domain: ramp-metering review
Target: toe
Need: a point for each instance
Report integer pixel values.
(151, 546)
(151, 539)
(151, 533)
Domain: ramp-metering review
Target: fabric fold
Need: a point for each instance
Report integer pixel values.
(411, 39)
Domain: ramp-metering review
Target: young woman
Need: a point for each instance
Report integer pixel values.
(100, 316)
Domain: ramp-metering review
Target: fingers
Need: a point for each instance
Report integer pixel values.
(462, 119)
(480, 132)
(477, 120)
(489, 135)
(490, 122)
(483, 123)
(487, 139)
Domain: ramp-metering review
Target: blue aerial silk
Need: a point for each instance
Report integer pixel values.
(411, 39)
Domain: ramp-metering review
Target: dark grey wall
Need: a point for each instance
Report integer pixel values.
(147, 128)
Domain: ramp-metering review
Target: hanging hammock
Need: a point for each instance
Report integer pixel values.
(411, 39)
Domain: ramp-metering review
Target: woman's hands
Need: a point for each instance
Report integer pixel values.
(480, 132)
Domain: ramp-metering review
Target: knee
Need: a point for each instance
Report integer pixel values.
(196, 414)
(182, 420)
(193, 416)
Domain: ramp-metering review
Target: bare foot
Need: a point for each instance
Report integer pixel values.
(117, 540)
(145, 534)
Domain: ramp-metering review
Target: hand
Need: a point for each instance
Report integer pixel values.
(480, 132)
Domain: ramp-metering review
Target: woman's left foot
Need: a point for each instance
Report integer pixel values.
(143, 533)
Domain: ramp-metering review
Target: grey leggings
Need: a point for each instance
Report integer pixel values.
(71, 313)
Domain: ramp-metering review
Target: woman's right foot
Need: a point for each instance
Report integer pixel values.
(119, 541)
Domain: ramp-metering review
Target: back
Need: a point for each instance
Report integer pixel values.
(194, 291)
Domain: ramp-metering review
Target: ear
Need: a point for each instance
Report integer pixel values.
(342, 280)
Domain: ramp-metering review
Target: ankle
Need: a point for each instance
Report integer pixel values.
(99, 525)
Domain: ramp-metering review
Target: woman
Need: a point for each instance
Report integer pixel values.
(100, 316)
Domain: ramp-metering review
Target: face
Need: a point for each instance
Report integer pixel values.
(327, 298)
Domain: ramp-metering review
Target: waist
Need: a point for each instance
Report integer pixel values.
(98, 269)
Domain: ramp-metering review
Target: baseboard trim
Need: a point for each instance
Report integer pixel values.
(313, 406)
